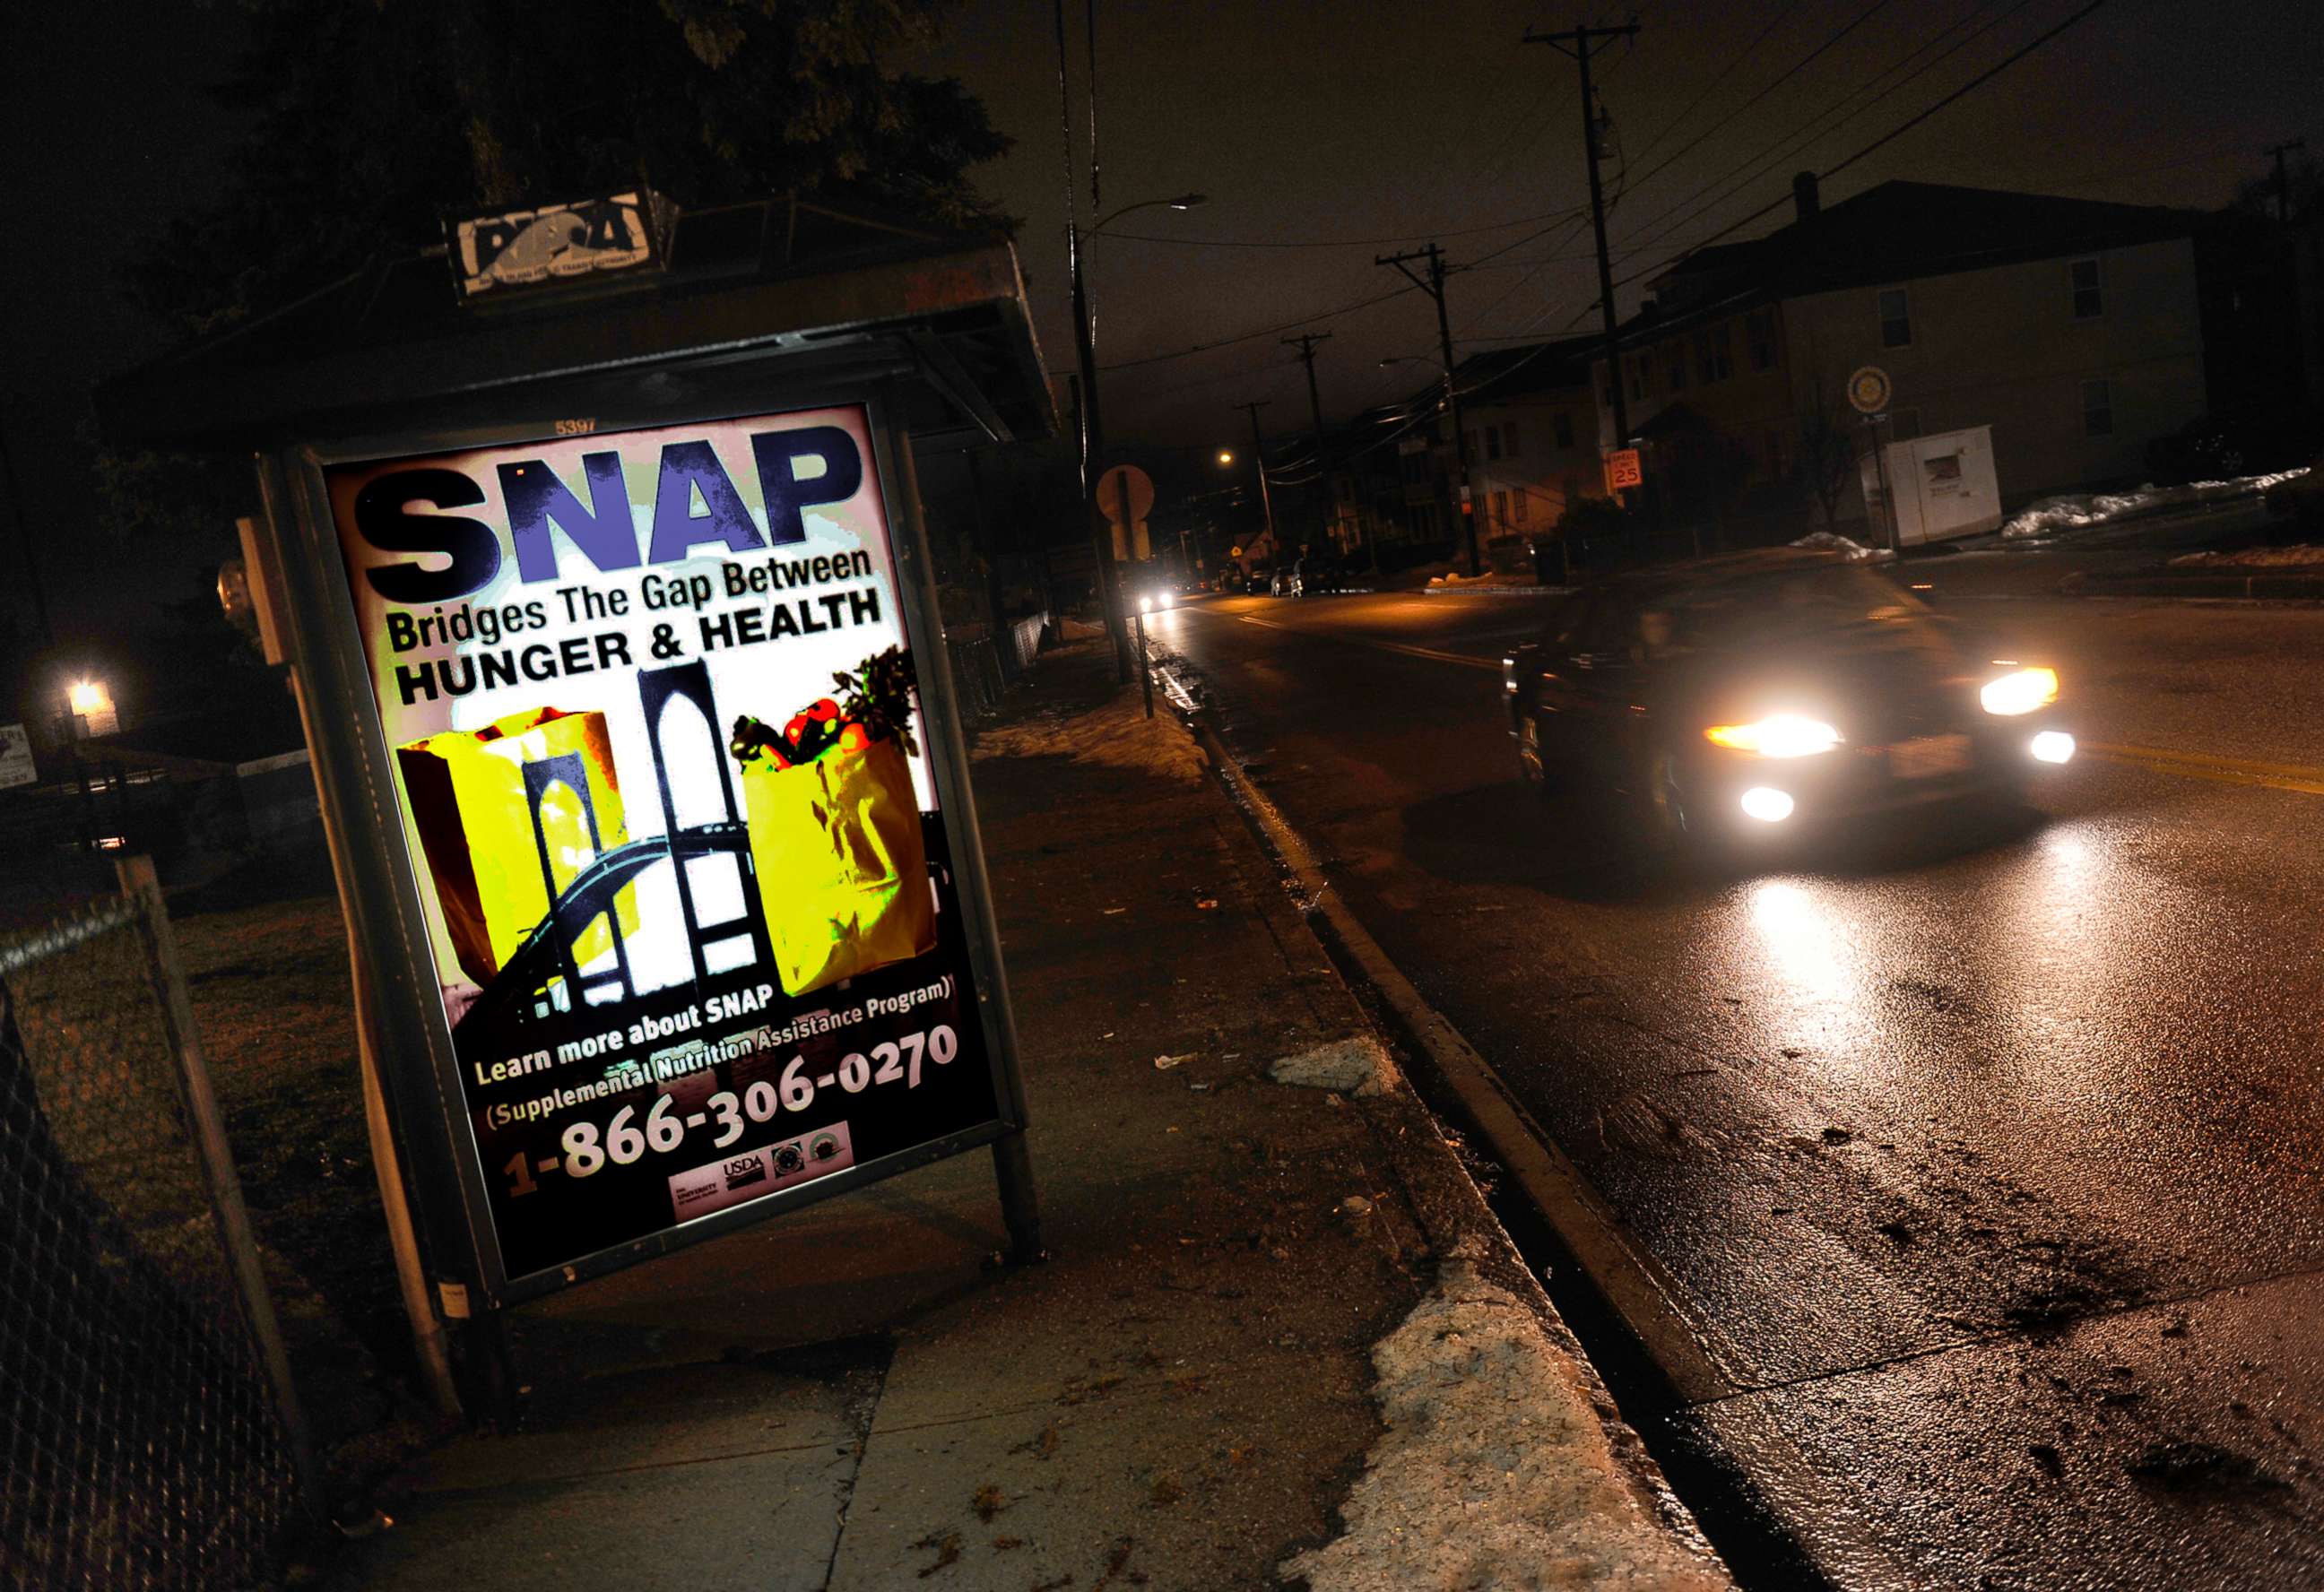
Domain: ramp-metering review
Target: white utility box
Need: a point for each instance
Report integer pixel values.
(1944, 486)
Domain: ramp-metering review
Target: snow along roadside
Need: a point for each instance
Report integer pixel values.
(1495, 1469)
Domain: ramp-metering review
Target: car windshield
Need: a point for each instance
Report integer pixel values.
(1780, 605)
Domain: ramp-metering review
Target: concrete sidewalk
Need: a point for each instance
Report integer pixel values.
(1280, 1337)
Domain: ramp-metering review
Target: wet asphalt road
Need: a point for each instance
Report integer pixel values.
(1984, 1163)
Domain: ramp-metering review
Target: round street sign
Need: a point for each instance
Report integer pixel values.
(1112, 487)
(1868, 390)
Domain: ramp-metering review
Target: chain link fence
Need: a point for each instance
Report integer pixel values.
(151, 1437)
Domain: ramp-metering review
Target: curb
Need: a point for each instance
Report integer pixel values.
(1481, 589)
(1447, 1204)
(1639, 1291)
(2281, 588)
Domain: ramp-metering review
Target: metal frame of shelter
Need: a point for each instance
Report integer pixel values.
(790, 307)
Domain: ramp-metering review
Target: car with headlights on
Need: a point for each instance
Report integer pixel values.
(1763, 691)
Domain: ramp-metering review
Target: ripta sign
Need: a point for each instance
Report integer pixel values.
(557, 243)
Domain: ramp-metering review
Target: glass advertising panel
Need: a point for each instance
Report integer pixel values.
(649, 704)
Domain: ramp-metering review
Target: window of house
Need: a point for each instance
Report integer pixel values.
(1517, 496)
(2089, 301)
(1638, 378)
(1712, 360)
(1676, 364)
(1492, 442)
(1775, 455)
(1896, 318)
(1564, 424)
(1500, 508)
(1509, 438)
(1759, 333)
(2097, 410)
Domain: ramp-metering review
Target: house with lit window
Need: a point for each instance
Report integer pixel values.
(1531, 424)
(2078, 331)
(1531, 421)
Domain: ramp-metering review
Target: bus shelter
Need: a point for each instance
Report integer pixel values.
(593, 543)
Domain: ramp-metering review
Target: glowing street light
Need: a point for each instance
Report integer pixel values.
(1226, 455)
(92, 705)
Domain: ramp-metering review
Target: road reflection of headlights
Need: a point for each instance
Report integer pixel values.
(1780, 735)
(2020, 691)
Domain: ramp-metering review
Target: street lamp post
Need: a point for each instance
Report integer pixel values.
(1093, 438)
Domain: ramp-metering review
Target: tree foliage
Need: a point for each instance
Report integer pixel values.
(368, 122)
(2302, 193)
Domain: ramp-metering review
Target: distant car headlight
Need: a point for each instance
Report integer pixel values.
(1146, 605)
(1168, 601)
(2020, 691)
(1780, 735)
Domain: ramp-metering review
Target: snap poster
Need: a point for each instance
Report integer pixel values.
(658, 747)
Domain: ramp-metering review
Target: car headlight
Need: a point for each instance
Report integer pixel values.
(1146, 605)
(1168, 601)
(2020, 691)
(1780, 735)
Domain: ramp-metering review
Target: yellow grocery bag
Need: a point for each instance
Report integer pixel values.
(842, 874)
(469, 801)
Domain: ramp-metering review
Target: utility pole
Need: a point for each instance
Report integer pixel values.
(1092, 450)
(1305, 343)
(1434, 286)
(2283, 183)
(1258, 459)
(1582, 43)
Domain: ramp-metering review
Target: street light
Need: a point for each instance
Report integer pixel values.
(1093, 427)
(1226, 455)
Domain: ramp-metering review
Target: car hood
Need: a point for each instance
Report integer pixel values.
(1882, 683)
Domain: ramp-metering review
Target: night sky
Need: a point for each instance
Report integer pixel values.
(1306, 124)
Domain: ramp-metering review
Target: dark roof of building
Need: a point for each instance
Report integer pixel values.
(1500, 375)
(1899, 232)
(848, 289)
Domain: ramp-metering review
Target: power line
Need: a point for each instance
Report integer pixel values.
(1262, 332)
(1798, 67)
(1824, 124)
(1989, 73)
(1734, 61)
(1890, 136)
(1401, 237)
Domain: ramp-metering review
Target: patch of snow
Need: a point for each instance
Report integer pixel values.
(1495, 1468)
(1116, 734)
(1344, 1066)
(1835, 542)
(2071, 510)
